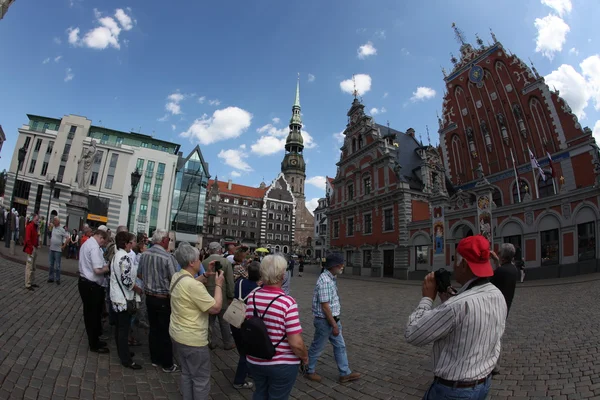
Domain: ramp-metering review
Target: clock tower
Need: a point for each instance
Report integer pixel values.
(293, 165)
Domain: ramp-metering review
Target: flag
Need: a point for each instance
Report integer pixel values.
(517, 180)
(551, 164)
(535, 165)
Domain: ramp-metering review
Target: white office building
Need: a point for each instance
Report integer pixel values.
(54, 147)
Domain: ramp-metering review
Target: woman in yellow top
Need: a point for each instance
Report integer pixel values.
(190, 306)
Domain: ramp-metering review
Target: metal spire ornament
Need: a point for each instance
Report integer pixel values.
(355, 92)
(493, 36)
(453, 59)
(458, 34)
(479, 40)
(428, 138)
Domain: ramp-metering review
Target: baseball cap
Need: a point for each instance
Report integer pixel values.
(214, 246)
(333, 260)
(102, 228)
(475, 250)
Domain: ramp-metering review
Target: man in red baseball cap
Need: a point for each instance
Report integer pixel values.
(465, 329)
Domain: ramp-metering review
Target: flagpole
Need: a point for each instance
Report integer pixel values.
(537, 191)
(516, 176)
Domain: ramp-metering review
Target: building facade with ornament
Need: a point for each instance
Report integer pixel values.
(520, 169)
(321, 234)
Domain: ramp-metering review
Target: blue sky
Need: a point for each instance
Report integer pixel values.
(223, 74)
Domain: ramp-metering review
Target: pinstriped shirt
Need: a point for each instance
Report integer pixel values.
(157, 267)
(465, 332)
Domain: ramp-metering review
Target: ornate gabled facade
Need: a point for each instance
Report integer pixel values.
(384, 180)
(293, 168)
(499, 120)
(321, 221)
(278, 217)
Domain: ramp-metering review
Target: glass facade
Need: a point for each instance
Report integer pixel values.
(187, 213)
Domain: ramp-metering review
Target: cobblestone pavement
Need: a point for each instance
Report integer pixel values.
(550, 350)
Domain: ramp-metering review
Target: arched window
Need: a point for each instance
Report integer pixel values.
(360, 142)
(497, 197)
(353, 145)
(546, 188)
(523, 187)
(456, 156)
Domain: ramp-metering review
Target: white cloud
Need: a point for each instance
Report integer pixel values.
(375, 111)
(380, 34)
(124, 19)
(46, 61)
(386, 94)
(574, 51)
(173, 127)
(404, 52)
(309, 142)
(560, 6)
(596, 131)
(276, 120)
(363, 84)
(311, 78)
(215, 102)
(366, 50)
(173, 101)
(235, 174)
(57, 40)
(106, 34)
(224, 124)
(578, 88)
(312, 204)
(57, 59)
(317, 181)
(552, 34)
(273, 131)
(268, 145)
(235, 159)
(423, 93)
(163, 118)
(339, 137)
(69, 75)
(201, 99)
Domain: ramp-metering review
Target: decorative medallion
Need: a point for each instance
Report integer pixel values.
(566, 211)
(529, 218)
(509, 88)
(480, 85)
(478, 103)
(476, 74)
(493, 96)
(464, 111)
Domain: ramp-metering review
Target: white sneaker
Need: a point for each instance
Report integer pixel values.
(174, 368)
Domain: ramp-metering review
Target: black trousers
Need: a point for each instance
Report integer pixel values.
(123, 326)
(159, 317)
(92, 297)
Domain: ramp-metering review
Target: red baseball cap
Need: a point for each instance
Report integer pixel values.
(476, 252)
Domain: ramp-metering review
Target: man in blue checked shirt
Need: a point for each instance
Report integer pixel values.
(326, 310)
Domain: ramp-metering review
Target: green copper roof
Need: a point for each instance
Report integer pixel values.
(297, 102)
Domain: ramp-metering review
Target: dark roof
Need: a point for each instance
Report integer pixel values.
(405, 154)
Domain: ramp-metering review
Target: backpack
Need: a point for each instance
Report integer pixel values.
(255, 337)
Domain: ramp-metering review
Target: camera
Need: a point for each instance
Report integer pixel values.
(218, 266)
(442, 280)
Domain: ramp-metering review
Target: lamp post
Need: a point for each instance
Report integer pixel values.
(135, 180)
(52, 183)
(21, 159)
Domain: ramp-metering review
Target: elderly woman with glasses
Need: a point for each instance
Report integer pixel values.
(275, 378)
(123, 273)
(190, 307)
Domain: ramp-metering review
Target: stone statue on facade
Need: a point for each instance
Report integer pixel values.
(84, 168)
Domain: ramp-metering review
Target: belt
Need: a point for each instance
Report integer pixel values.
(335, 317)
(460, 384)
(158, 296)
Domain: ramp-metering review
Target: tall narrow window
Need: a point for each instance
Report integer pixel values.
(111, 171)
(367, 184)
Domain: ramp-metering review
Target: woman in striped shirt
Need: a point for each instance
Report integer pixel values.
(275, 378)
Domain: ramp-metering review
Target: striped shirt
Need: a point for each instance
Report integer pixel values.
(281, 318)
(326, 292)
(157, 267)
(465, 332)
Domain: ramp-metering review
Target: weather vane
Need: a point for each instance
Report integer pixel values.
(355, 92)
(458, 34)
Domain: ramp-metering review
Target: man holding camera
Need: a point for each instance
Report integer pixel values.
(216, 254)
(465, 329)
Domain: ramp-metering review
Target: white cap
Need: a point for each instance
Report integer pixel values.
(102, 228)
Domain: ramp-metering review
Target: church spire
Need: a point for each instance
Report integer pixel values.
(297, 101)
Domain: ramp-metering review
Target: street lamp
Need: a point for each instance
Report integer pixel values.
(135, 180)
(21, 159)
(52, 183)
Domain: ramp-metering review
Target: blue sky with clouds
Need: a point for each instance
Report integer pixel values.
(223, 74)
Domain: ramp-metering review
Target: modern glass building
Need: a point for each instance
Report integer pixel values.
(189, 196)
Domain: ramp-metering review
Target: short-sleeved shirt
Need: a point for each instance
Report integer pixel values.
(59, 235)
(190, 303)
(326, 292)
(90, 258)
(281, 318)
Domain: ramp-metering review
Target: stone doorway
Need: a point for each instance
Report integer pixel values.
(388, 263)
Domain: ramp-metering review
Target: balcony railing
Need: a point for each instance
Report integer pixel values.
(149, 174)
(160, 177)
(156, 197)
(145, 196)
(142, 219)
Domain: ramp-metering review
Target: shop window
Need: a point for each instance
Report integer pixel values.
(422, 256)
(549, 243)
(586, 241)
(516, 240)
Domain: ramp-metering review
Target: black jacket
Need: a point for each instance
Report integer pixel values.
(505, 279)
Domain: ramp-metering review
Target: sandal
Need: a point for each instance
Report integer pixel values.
(133, 366)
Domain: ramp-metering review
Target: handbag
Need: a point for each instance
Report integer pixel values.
(131, 304)
(236, 312)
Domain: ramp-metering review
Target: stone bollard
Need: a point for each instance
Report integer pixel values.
(12, 247)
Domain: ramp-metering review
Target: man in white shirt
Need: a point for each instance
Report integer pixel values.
(92, 268)
(465, 329)
(58, 242)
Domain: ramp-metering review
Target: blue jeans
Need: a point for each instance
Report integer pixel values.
(437, 391)
(54, 270)
(273, 382)
(323, 331)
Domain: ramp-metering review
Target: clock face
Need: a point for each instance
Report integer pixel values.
(294, 162)
(476, 74)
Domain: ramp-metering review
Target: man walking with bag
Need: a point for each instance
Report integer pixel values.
(326, 310)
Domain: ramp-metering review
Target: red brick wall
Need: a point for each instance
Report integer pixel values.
(568, 244)
(582, 168)
(530, 249)
(420, 210)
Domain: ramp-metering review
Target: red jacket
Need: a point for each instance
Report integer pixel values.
(31, 238)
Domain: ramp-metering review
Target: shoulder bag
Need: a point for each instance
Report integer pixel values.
(236, 312)
(131, 304)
